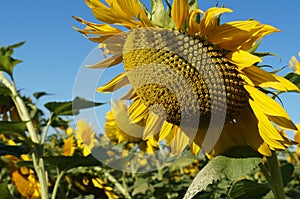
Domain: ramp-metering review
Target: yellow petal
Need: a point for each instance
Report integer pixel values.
(179, 12)
(266, 130)
(243, 59)
(93, 28)
(153, 125)
(239, 34)
(194, 27)
(281, 84)
(116, 83)
(108, 62)
(258, 75)
(209, 21)
(266, 104)
(179, 142)
(137, 111)
(166, 129)
(262, 31)
(135, 9)
(195, 148)
(283, 122)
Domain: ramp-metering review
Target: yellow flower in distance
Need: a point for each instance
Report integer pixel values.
(24, 178)
(213, 60)
(85, 137)
(118, 129)
(297, 139)
(295, 64)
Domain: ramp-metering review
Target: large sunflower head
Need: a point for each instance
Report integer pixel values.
(188, 72)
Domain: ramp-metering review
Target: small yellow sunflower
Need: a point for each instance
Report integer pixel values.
(69, 147)
(24, 178)
(295, 64)
(85, 135)
(118, 125)
(216, 61)
(87, 184)
(297, 139)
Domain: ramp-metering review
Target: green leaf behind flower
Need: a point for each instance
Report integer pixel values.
(70, 107)
(221, 167)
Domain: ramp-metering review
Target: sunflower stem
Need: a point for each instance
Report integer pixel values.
(57, 182)
(276, 184)
(45, 132)
(122, 189)
(38, 162)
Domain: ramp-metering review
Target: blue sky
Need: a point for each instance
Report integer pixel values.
(54, 52)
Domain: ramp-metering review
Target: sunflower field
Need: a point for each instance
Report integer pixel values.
(200, 114)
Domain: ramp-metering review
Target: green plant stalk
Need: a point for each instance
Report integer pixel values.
(117, 184)
(45, 132)
(57, 182)
(267, 176)
(276, 184)
(38, 162)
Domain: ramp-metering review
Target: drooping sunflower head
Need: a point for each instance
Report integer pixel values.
(184, 65)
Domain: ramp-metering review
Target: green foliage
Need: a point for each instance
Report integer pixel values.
(38, 95)
(219, 168)
(70, 107)
(160, 16)
(248, 189)
(294, 78)
(69, 162)
(7, 63)
(16, 128)
(5, 194)
(12, 150)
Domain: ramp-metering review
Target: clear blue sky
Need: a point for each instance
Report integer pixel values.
(54, 51)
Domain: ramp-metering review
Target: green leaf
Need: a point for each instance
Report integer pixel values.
(120, 162)
(248, 189)
(38, 95)
(12, 150)
(5, 194)
(141, 185)
(219, 168)
(4, 90)
(294, 78)
(184, 160)
(264, 54)
(286, 172)
(7, 63)
(24, 163)
(193, 4)
(16, 128)
(59, 122)
(254, 48)
(160, 16)
(242, 152)
(70, 107)
(69, 162)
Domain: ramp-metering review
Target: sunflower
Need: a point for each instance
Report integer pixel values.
(24, 178)
(85, 135)
(118, 135)
(69, 147)
(87, 184)
(297, 139)
(295, 64)
(170, 53)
